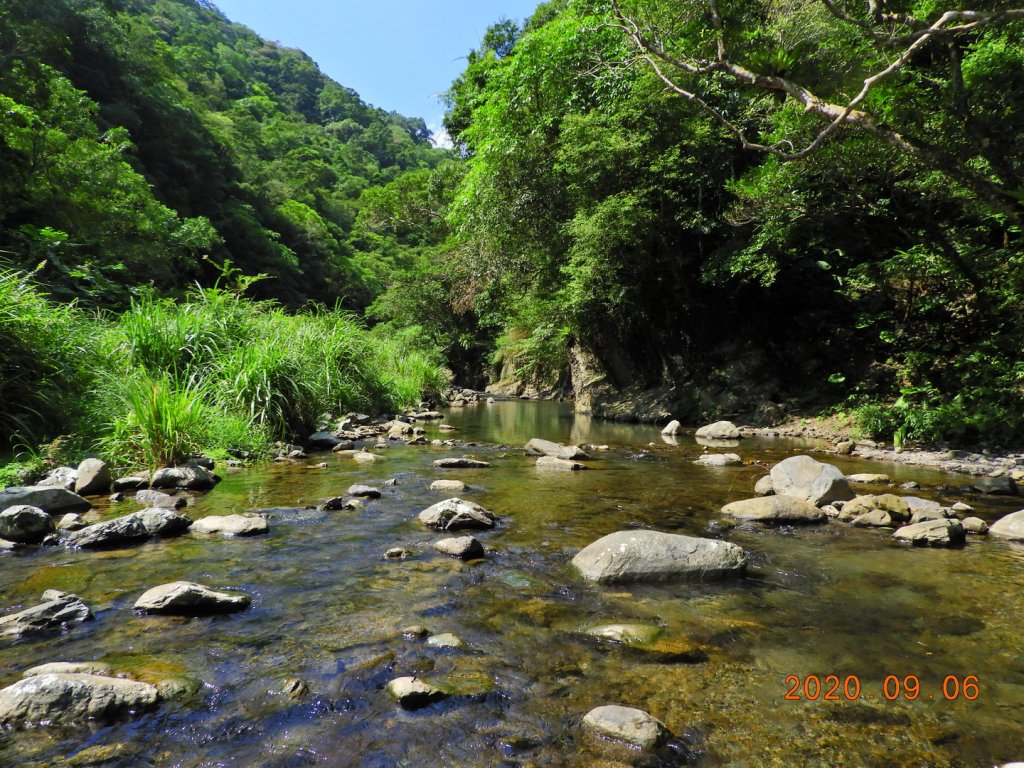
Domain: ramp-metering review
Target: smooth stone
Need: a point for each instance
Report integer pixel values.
(845, 447)
(461, 462)
(975, 525)
(538, 447)
(365, 491)
(961, 507)
(923, 515)
(53, 501)
(93, 478)
(415, 692)
(562, 465)
(876, 518)
(450, 486)
(58, 609)
(133, 483)
(1009, 527)
(720, 430)
(343, 445)
(764, 487)
(672, 428)
(130, 528)
(454, 514)
(188, 476)
(933, 533)
(160, 499)
(447, 428)
(65, 699)
(915, 503)
(633, 726)
(642, 555)
(775, 509)
(810, 480)
(70, 668)
(627, 634)
(719, 460)
(232, 525)
(463, 547)
(25, 524)
(186, 598)
(868, 478)
(446, 640)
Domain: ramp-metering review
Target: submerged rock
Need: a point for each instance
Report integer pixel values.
(720, 430)
(186, 598)
(133, 483)
(868, 479)
(323, 441)
(933, 533)
(130, 528)
(232, 525)
(633, 726)
(53, 501)
(462, 547)
(810, 480)
(719, 460)
(65, 699)
(25, 524)
(641, 555)
(455, 514)
(93, 477)
(775, 509)
(415, 692)
(461, 462)
(446, 640)
(538, 447)
(876, 518)
(57, 610)
(562, 465)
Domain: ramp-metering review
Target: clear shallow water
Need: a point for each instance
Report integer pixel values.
(328, 609)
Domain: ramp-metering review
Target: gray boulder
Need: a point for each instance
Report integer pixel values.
(538, 447)
(161, 499)
(561, 465)
(720, 430)
(232, 525)
(995, 486)
(811, 480)
(130, 528)
(932, 533)
(322, 441)
(1009, 527)
(775, 509)
(450, 486)
(461, 462)
(54, 501)
(133, 483)
(641, 555)
(867, 478)
(719, 460)
(462, 547)
(632, 726)
(186, 598)
(56, 610)
(93, 478)
(65, 699)
(188, 476)
(457, 514)
(71, 522)
(60, 477)
(25, 525)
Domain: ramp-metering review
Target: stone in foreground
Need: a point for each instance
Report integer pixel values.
(719, 460)
(462, 547)
(455, 514)
(810, 480)
(633, 726)
(933, 533)
(64, 699)
(1009, 527)
(232, 525)
(186, 598)
(414, 692)
(561, 465)
(25, 525)
(538, 447)
(56, 610)
(641, 555)
(720, 430)
(461, 462)
(53, 501)
(775, 509)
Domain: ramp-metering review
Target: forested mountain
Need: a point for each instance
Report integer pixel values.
(140, 136)
(694, 194)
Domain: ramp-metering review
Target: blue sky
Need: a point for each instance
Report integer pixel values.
(398, 54)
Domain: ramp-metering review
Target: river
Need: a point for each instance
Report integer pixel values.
(328, 609)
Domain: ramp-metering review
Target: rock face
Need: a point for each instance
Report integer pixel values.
(53, 501)
(1009, 527)
(641, 555)
(186, 598)
(414, 692)
(461, 463)
(933, 533)
(93, 478)
(450, 486)
(538, 447)
(720, 430)
(462, 547)
(365, 491)
(130, 528)
(25, 524)
(232, 525)
(672, 428)
(64, 699)
(57, 610)
(188, 476)
(633, 726)
(561, 465)
(775, 509)
(456, 514)
(719, 460)
(810, 480)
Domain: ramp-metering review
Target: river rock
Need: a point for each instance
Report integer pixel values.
(875, 518)
(71, 522)
(916, 503)
(930, 513)
(160, 499)
(720, 430)
(343, 445)
(232, 525)
(322, 441)
(633, 726)
(896, 506)
(25, 524)
(627, 634)
(462, 547)
(341, 504)
(641, 555)
(186, 598)
(672, 428)
(764, 487)
(449, 486)
(415, 692)
(188, 476)
(845, 447)
(775, 509)
(60, 477)
(933, 533)
(70, 668)
(446, 640)
(538, 447)
(455, 514)
(461, 462)
(961, 507)
(398, 430)
(561, 465)
(56, 610)
(130, 528)
(868, 479)
(1009, 527)
(64, 699)
(719, 460)
(995, 486)
(810, 480)
(132, 483)
(364, 491)
(93, 478)
(975, 525)
(365, 457)
(53, 501)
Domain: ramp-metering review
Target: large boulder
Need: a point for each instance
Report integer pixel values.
(775, 509)
(806, 478)
(456, 514)
(57, 610)
(641, 555)
(186, 598)
(69, 668)
(538, 447)
(93, 478)
(632, 726)
(932, 533)
(25, 524)
(65, 699)
(54, 501)
(130, 528)
(188, 476)
(561, 465)
(1009, 527)
(231, 525)
(720, 430)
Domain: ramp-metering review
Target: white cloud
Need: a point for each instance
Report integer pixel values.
(440, 137)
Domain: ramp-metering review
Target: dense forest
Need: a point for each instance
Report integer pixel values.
(658, 207)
